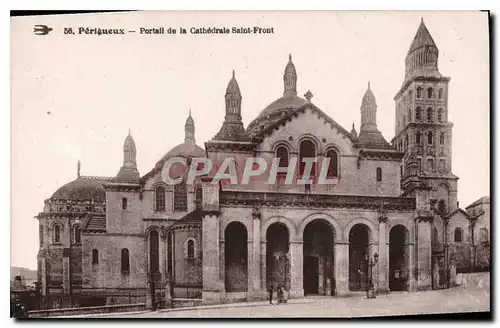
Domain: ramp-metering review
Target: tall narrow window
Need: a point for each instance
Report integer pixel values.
(379, 174)
(124, 203)
(419, 92)
(95, 256)
(418, 114)
(442, 206)
(441, 138)
(409, 115)
(154, 252)
(406, 141)
(440, 93)
(190, 249)
(418, 137)
(430, 164)
(180, 197)
(40, 234)
(430, 114)
(410, 94)
(458, 235)
(429, 93)
(57, 233)
(430, 138)
(160, 199)
(125, 261)
(307, 150)
(282, 154)
(333, 165)
(440, 115)
(198, 195)
(78, 238)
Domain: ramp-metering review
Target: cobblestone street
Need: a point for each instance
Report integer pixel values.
(461, 299)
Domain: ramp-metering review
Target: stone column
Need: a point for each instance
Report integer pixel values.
(383, 259)
(222, 266)
(341, 268)
(211, 260)
(411, 267)
(296, 269)
(424, 253)
(66, 277)
(263, 263)
(163, 261)
(255, 255)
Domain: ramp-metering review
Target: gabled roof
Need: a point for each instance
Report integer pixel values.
(286, 117)
(482, 200)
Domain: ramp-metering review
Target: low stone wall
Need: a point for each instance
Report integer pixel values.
(88, 310)
(476, 279)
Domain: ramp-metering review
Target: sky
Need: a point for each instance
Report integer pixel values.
(75, 97)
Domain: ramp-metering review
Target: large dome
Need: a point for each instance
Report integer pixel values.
(282, 106)
(274, 111)
(83, 188)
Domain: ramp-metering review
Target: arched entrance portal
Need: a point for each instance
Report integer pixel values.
(277, 258)
(236, 257)
(318, 258)
(399, 258)
(359, 238)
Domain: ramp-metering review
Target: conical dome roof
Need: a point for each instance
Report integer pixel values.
(233, 86)
(129, 142)
(369, 98)
(422, 38)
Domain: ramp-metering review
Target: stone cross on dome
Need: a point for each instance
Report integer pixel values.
(309, 95)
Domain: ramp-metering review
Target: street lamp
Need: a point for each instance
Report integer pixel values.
(370, 290)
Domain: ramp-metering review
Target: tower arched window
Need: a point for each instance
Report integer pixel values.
(442, 206)
(418, 114)
(282, 154)
(440, 115)
(333, 170)
(406, 141)
(430, 114)
(430, 138)
(180, 197)
(125, 261)
(124, 203)
(409, 115)
(95, 256)
(57, 233)
(459, 235)
(77, 235)
(379, 174)
(40, 234)
(441, 138)
(430, 164)
(440, 93)
(160, 199)
(418, 137)
(307, 149)
(429, 93)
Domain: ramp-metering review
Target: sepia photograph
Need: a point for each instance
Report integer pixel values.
(250, 164)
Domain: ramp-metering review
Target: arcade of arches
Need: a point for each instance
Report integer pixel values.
(318, 263)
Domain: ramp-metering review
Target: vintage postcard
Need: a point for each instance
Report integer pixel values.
(253, 164)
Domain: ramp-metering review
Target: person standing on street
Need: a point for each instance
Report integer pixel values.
(270, 290)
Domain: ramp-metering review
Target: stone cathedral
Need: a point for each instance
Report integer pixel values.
(391, 221)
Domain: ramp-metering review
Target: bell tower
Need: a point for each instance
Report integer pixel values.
(422, 129)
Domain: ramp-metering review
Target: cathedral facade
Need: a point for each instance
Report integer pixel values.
(390, 221)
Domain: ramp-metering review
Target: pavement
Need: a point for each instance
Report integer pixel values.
(459, 299)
